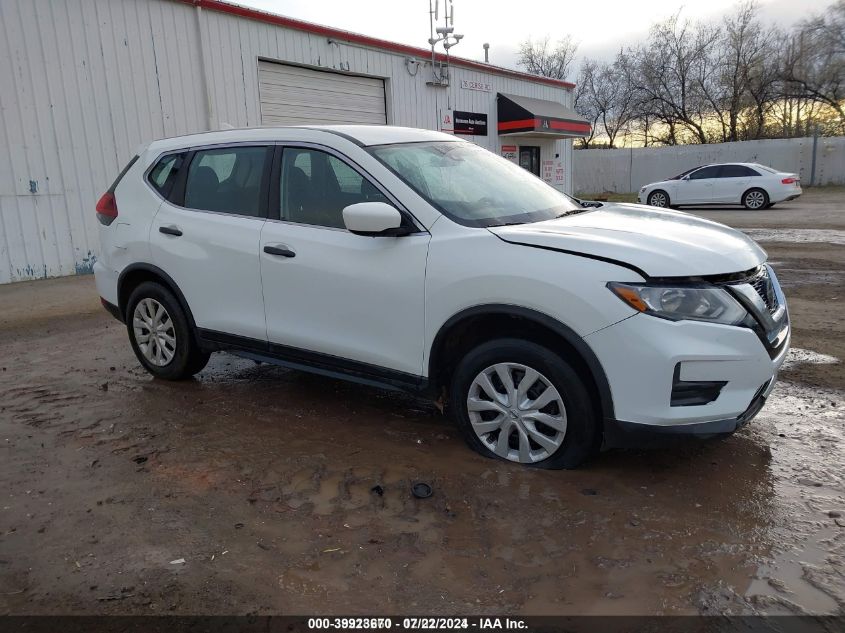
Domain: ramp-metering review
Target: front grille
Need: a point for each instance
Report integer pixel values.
(762, 283)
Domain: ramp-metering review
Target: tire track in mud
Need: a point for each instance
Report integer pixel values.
(39, 405)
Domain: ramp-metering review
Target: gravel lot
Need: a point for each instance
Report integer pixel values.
(261, 479)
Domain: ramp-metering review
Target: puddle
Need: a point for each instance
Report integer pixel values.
(803, 571)
(796, 236)
(798, 356)
(799, 579)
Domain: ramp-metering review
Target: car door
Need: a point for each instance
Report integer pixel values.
(697, 187)
(732, 182)
(206, 237)
(332, 296)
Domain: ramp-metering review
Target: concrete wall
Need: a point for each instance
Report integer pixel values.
(626, 170)
(85, 82)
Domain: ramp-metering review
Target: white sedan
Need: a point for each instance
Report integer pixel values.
(749, 184)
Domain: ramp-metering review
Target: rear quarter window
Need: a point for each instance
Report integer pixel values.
(163, 175)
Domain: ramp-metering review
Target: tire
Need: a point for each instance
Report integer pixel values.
(755, 199)
(658, 198)
(177, 356)
(569, 427)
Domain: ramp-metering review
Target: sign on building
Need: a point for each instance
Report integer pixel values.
(509, 153)
(470, 123)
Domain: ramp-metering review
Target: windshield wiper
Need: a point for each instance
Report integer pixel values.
(573, 212)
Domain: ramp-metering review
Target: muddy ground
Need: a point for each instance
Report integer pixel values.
(261, 479)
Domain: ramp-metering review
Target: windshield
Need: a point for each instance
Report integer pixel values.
(473, 186)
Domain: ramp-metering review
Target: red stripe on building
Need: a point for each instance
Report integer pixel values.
(570, 126)
(535, 124)
(516, 125)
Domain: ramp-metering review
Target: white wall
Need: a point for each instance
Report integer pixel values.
(87, 81)
(626, 170)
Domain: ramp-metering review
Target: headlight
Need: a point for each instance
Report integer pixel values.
(682, 302)
(642, 189)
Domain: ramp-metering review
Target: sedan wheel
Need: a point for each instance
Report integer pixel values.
(755, 199)
(154, 332)
(516, 412)
(658, 199)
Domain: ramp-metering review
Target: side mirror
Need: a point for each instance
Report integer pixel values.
(373, 218)
(685, 178)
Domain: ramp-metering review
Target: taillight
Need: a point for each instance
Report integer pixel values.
(788, 181)
(107, 208)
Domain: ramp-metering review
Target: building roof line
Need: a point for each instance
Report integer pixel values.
(366, 40)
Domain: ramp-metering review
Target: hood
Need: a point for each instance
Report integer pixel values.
(659, 243)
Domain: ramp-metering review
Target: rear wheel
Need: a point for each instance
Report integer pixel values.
(518, 401)
(755, 199)
(161, 335)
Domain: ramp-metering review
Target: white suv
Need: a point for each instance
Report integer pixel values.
(414, 260)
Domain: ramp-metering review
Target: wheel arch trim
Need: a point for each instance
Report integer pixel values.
(167, 279)
(569, 335)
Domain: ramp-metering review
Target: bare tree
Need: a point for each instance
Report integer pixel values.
(584, 103)
(725, 72)
(763, 84)
(816, 63)
(705, 82)
(544, 58)
(612, 98)
(668, 71)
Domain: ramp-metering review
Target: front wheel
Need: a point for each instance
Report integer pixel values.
(755, 199)
(658, 198)
(518, 401)
(160, 334)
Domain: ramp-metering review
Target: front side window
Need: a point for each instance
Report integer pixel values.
(316, 187)
(705, 172)
(227, 180)
(473, 186)
(163, 176)
(684, 173)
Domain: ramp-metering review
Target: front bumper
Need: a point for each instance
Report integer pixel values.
(640, 356)
(620, 434)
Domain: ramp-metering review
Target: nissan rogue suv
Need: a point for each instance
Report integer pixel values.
(413, 260)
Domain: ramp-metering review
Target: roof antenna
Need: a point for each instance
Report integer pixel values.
(445, 34)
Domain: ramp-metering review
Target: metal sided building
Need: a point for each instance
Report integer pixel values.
(84, 82)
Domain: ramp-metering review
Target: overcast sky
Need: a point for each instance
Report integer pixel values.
(601, 26)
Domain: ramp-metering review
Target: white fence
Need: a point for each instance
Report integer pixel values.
(626, 170)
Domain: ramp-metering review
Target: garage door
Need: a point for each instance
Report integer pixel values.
(291, 95)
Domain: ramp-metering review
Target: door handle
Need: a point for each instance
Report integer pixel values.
(282, 251)
(170, 230)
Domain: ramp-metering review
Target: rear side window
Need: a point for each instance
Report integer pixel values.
(736, 171)
(163, 176)
(227, 180)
